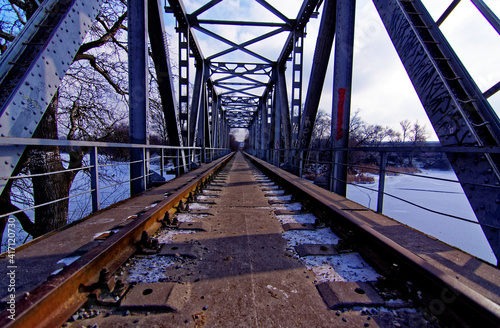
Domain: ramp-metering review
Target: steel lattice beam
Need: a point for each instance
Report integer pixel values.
(32, 69)
(458, 111)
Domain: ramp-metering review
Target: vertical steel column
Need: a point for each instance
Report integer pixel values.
(202, 120)
(277, 126)
(263, 126)
(381, 181)
(138, 89)
(251, 136)
(213, 116)
(296, 110)
(196, 105)
(220, 134)
(341, 110)
(282, 99)
(270, 122)
(258, 136)
(184, 83)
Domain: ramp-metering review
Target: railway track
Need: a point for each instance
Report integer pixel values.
(243, 244)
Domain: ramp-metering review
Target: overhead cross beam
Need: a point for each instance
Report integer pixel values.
(242, 79)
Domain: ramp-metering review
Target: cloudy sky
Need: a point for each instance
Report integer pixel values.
(381, 89)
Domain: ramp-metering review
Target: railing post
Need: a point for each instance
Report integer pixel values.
(316, 167)
(177, 162)
(94, 179)
(145, 156)
(301, 159)
(333, 169)
(162, 163)
(381, 181)
(189, 159)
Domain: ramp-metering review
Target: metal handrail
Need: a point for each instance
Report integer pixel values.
(194, 153)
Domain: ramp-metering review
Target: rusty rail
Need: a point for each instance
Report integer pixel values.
(53, 302)
(463, 305)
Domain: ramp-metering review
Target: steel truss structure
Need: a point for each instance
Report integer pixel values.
(252, 93)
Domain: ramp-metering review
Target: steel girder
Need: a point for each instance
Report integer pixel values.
(458, 111)
(318, 72)
(197, 104)
(160, 54)
(241, 79)
(138, 91)
(296, 92)
(342, 81)
(32, 69)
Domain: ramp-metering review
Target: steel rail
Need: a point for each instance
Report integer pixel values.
(470, 306)
(53, 302)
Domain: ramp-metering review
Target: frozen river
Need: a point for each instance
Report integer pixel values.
(442, 196)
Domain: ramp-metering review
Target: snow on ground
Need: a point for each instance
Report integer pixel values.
(318, 236)
(167, 236)
(443, 196)
(289, 207)
(301, 218)
(197, 206)
(342, 267)
(287, 197)
(186, 217)
(150, 269)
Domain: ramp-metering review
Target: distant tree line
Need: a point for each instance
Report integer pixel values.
(363, 134)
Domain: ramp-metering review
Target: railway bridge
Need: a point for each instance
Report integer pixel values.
(212, 236)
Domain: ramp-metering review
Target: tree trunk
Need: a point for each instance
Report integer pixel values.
(49, 187)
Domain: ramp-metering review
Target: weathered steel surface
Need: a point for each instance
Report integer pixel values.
(53, 301)
(157, 297)
(32, 69)
(476, 298)
(315, 249)
(458, 111)
(344, 294)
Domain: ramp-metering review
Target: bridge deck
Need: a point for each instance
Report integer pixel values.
(243, 274)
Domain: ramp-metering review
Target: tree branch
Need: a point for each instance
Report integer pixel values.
(19, 16)
(8, 207)
(6, 36)
(110, 33)
(19, 3)
(93, 63)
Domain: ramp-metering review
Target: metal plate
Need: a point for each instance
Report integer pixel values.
(339, 294)
(178, 250)
(287, 212)
(315, 249)
(163, 296)
(298, 226)
(193, 226)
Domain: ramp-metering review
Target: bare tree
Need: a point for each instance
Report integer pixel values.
(419, 133)
(321, 130)
(90, 103)
(406, 128)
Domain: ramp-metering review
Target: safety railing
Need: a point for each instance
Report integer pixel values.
(294, 161)
(435, 192)
(106, 166)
